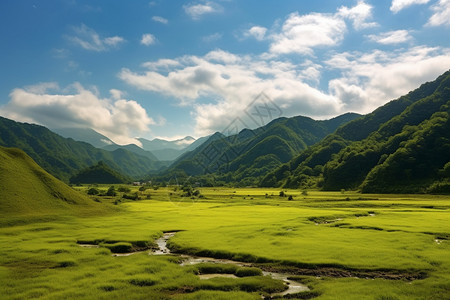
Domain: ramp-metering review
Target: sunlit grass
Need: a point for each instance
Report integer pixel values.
(40, 257)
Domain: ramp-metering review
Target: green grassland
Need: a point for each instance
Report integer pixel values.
(327, 233)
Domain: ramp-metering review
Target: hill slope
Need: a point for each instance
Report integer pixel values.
(25, 188)
(63, 157)
(402, 146)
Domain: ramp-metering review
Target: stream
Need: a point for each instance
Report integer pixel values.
(293, 286)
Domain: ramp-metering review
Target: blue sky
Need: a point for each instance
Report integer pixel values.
(174, 68)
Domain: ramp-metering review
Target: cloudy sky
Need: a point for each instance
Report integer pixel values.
(170, 68)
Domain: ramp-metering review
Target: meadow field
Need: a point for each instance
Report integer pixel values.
(341, 245)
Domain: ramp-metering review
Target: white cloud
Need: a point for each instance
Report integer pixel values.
(359, 15)
(116, 118)
(148, 39)
(220, 85)
(391, 37)
(257, 32)
(114, 41)
(197, 10)
(302, 33)
(116, 94)
(89, 39)
(162, 64)
(160, 19)
(398, 5)
(441, 15)
(371, 79)
(232, 82)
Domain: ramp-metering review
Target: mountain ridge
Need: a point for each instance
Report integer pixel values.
(274, 143)
(63, 157)
(346, 158)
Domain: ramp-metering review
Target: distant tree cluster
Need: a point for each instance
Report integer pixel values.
(100, 173)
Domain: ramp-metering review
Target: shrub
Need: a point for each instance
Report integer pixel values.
(120, 247)
(282, 194)
(111, 191)
(133, 196)
(439, 187)
(123, 189)
(93, 191)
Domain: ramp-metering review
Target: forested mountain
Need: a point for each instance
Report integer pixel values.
(171, 150)
(132, 148)
(245, 157)
(84, 135)
(63, 157)
(403, 146)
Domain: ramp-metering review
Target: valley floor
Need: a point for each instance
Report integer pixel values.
(341, 245)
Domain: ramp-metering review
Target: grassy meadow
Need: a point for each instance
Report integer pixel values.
(343, 245)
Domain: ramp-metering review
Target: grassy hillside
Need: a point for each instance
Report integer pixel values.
(64, 157)
(25, 188)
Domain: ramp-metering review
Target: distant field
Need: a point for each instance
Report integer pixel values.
(342, 245)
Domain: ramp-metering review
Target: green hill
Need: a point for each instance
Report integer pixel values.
(402, 146)
(64, 157)
(25, 188)
(100, 173)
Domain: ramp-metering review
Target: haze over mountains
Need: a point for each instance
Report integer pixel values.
(63, 157)
(402, 146)
(160, 149)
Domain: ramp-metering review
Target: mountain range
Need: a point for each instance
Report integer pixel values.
(403, 146)
(246, 157)
(64, 157)
(156, 149)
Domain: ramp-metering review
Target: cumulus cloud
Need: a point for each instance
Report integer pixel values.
(257, 32)
(148, 39)
(160, 19)
(233, 82)
(391, 37)
(398, 5)
(75, 106)
(441, 14)
(89, 39)
(371, 79)
(220, 85)
(301, 33)
(197, 10)
(358, 14)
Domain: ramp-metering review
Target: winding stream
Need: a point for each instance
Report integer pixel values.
(293, 286)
